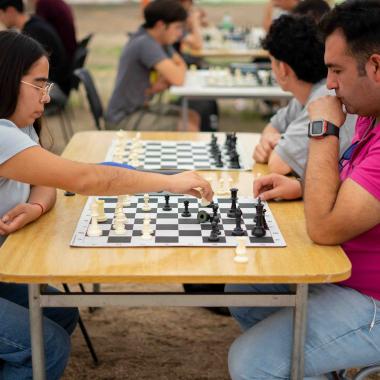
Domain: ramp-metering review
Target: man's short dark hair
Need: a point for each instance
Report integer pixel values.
(295, 41)
(17, 4)
(312, 8)
(359, 21)
(167, 11)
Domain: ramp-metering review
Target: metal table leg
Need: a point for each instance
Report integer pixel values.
(36, 332)
(185, 113)
(299, 332)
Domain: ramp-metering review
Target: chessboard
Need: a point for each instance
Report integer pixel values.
(179, 155)
(217, 77)
(168, 227)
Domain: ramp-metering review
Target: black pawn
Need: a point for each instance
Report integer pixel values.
(238, 231)
(219, 161)
(186, 213)
(214, 235)
(215, 208)
(167, 205)
(232, 211)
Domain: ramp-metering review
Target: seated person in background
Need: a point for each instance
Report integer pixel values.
(315, 9)
(342, 206)
(60, 16)
(276, 8)
(149, 65)
(29, 176)
(296, 55)
(12, 15)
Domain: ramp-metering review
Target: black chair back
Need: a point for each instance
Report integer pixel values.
(79, 59)
(93, 98)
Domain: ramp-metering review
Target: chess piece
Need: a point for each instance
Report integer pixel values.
(93, 229)
(126, 200)
(259, 227)
(167, 205)
(146, 207)
(119, 228)
(102, 217)
(186, 213)
(215, 208)
(232, 211)
(241, 250)
(205, 202)
(214, 235)
(203, 216)
(218, 160)
(238, 231)
(146, 224)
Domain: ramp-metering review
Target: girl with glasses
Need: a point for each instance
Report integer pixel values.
(29, 176)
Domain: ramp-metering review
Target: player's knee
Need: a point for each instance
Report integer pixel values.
(245, 362)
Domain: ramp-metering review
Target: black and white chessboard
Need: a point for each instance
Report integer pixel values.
(172, 229)
(179, 155)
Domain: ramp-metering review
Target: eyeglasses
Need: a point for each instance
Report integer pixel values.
(347, 155)
(45, 90)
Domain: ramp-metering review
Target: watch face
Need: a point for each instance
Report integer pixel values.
(317, 128)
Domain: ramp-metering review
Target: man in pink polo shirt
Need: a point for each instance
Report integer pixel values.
(342, 206)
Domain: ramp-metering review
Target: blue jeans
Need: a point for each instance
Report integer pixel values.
(338, 333)
(15, 344)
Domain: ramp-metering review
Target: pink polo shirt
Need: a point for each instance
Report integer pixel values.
(364, 250)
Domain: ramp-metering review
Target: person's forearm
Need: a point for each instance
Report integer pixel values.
(269, 129)
(45, 196)
(277, 165)
(103, 180)
(322, 184)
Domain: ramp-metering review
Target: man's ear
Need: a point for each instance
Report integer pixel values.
(373, 67)
(286, 71)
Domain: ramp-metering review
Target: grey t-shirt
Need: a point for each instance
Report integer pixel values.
(292, 122)
(137, 61)
(13, 140)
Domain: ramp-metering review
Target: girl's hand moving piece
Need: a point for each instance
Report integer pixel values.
(18, 217)
(188, 183)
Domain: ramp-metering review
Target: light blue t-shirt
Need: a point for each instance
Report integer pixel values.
(292, 122)
(13, 140)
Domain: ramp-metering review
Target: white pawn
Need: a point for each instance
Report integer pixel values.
(126, 201)
(146, 206)
(102, 217)
(93, 229)
(147, 225)
(119, 228)
(241, 250)
(146, 233)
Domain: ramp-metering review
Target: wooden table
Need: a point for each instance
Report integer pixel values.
(230, 53)
(195, 88)
(40, 253)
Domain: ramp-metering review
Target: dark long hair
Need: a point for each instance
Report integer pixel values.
(18, 54)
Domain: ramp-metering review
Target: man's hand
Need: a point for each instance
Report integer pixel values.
(275, 186)
(327, 108)
(265, 147)
(190, 183)
(18, 217)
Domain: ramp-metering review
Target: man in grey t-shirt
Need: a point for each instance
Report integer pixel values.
(296, 54)
(149, 65)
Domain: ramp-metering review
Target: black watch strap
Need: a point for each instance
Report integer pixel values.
(331, 129)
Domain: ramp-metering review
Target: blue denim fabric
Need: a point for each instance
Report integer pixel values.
(338, 334)
(15, 345)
